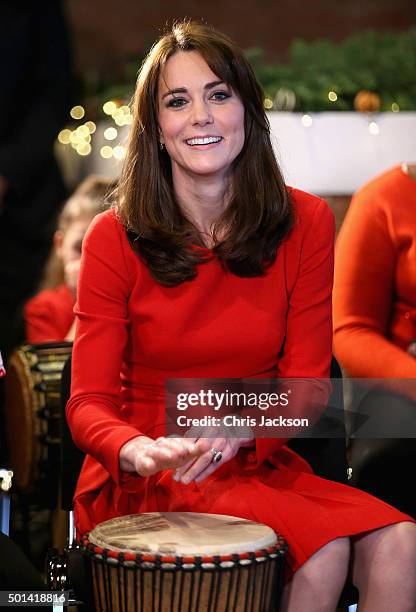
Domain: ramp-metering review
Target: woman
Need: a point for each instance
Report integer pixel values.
(375, 328)
(210, 267)
(374, 291)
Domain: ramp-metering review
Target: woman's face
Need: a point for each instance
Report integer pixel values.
(201, 119)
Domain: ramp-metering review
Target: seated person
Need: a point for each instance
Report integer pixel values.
(49, 315)
(375, 324)
(209, 266)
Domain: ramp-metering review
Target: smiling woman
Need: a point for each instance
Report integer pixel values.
(154, 303)
(196, 83)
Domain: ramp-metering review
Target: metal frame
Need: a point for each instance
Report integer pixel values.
(6, 477)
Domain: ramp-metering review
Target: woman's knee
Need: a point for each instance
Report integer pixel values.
(319, 582)
(401, 542)
(331, 559)
(372, 550)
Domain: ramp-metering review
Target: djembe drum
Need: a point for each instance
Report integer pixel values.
(33, 417)
(185, 562)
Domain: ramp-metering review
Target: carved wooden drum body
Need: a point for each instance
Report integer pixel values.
(185, 562)
(33, 414)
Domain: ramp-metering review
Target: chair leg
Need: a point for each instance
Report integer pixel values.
(4, 513)
(71, 529)
(6, 477)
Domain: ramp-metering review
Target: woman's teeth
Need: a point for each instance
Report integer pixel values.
(203, 141)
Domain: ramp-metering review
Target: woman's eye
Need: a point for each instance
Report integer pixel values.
(220, 95)
(176, 102)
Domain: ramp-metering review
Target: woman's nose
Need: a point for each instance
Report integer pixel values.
(201, 114)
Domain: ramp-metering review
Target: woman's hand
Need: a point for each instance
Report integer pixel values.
(147, 456)
(199, 468)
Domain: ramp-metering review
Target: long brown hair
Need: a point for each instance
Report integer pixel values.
(259, 213)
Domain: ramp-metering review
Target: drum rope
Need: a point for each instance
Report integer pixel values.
(183, 581)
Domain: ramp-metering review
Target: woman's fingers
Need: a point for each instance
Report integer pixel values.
(190, 472)
(167, 453)
(199, 469)
(145, 466)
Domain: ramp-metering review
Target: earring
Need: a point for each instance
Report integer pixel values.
(161, 145)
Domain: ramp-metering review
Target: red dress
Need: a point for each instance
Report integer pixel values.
(49, 315)
(218, 325)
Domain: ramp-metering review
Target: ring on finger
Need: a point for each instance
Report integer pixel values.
(216, 455)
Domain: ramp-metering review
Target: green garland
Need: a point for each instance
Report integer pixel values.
(381, 63)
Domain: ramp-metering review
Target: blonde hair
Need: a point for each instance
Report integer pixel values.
(91, 197)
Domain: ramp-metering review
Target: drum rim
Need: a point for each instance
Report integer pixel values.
(101, 537)
(279, 549)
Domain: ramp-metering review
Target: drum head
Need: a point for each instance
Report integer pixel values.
(182, 534)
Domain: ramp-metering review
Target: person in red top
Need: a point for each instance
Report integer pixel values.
(49, 315)
(209, 267)
(375, 280)
(375, 328)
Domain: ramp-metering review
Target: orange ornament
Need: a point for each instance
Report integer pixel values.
(367, 102)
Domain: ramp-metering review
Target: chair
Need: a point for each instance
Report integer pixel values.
(78, 572)
(378, 456)
(328, 456)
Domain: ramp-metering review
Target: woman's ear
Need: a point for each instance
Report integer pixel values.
(58, 239)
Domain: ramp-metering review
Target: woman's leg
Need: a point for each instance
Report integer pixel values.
(317, 585)
(384, 568)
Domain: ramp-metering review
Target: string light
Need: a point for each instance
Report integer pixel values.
(106, 152)
(119, 152)
(332, 96)
(122, 116)
(373, 128)
(84, 149)
(109, 107)
(306, 120)
(64, 136)
(77, 112)
(91, 126)
(73, 137)
(110, 133)
(267, 103)
(83, 131)
(395, 107)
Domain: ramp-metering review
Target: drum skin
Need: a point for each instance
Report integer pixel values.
(32, 412)
(185, 562)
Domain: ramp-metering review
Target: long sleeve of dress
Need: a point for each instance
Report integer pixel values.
(307, 348)
(364, 289)
(94, 410)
